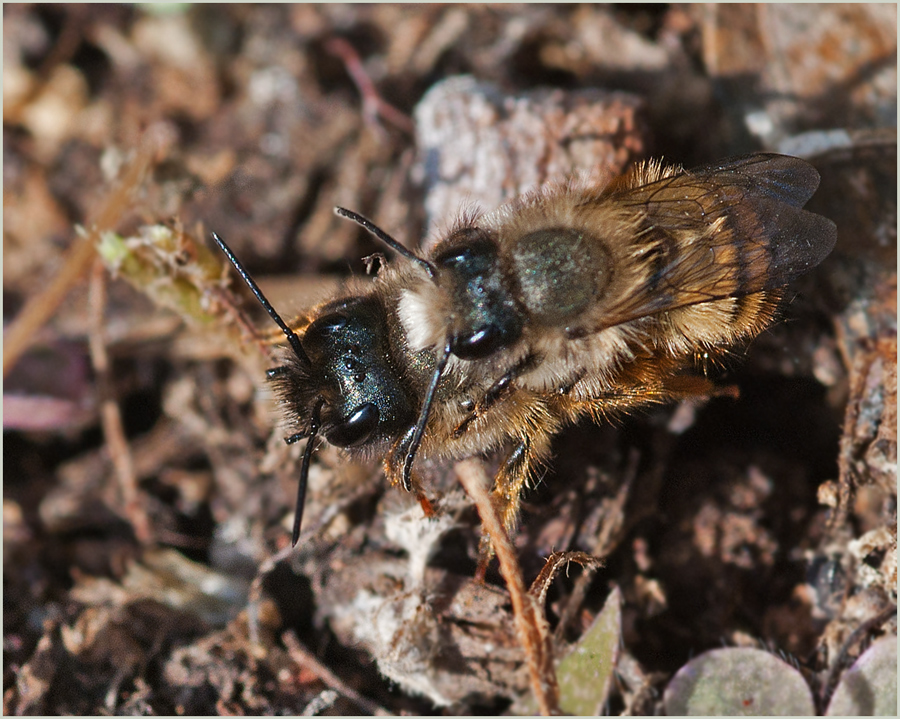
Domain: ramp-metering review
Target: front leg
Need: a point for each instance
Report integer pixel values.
(393, 469)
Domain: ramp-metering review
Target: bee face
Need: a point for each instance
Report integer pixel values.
(350, 375)
(573, 301)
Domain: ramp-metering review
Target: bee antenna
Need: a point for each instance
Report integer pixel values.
(419, 431)
(292, 337)
(377, 232)
(304, 472)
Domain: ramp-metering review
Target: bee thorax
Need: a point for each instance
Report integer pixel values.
(421, 312)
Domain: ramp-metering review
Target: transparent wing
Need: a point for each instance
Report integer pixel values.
(723, 230)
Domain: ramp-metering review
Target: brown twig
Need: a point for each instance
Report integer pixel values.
(302, 656)
(530, 623)
(110, 416)
(554, 563)
(70, 36)
(373, 104)
(40, 307)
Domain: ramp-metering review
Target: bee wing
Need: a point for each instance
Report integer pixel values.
(723, 230)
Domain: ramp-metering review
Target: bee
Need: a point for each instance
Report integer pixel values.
(575, 300)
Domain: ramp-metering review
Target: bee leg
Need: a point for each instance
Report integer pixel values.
(685, 387)
(517, 468)
(495, 393)
(425, 503)
(393, 470)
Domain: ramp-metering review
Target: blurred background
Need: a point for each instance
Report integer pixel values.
(147, 492)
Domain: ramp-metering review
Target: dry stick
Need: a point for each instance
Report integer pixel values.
(373, 104)
(110, 416)
(305, 658)
(68, 41)
(40, 307)
(556, 561)
(530, 627)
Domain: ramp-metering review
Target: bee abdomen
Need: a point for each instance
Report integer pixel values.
(707, 325)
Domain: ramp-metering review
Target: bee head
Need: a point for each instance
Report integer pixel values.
(348, 374)
(339, 379)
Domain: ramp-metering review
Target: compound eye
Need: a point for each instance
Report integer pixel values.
(356, 429)
(482, 343)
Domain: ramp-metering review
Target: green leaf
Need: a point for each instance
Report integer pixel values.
(585, 673)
